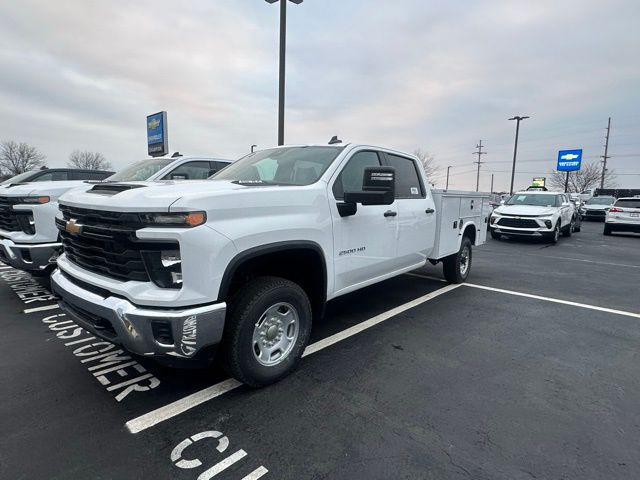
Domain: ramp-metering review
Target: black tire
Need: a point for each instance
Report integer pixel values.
(246, 308)
(452, 265)
(495, 235)
(569, 230)
(607, 229)
(555, 236)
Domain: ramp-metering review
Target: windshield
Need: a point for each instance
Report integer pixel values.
(537, 200)
(18, 178)
(140, 171)
(600, 201)
(281, 166)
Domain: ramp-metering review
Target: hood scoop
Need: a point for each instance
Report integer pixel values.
(111, 189)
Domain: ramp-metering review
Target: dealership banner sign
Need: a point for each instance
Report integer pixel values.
(569, 160)
(157, 141)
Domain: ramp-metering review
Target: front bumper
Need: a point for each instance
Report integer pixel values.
(594, 214)
(29, 257)
(163, 332)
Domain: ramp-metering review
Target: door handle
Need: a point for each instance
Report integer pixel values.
(390, 213)
(429, 210)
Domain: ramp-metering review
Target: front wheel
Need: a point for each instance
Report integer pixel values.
(555, 235)
(456, 267)
(267, 328)
(607, 229)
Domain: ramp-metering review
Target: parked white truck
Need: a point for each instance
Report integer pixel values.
(245, 261)
(29, 239)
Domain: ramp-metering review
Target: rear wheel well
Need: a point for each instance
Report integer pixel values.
(470, 232)
(302, 265)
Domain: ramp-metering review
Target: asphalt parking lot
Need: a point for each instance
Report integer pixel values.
(531, 370)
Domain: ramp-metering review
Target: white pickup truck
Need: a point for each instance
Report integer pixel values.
(29, 239)
(247, 260)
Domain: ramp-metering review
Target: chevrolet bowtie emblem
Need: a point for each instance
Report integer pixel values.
(73, 227)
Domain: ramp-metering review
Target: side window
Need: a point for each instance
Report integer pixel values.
(408, 183)
(52, 177)
(350, 178)
(189, 171)
(217, 166)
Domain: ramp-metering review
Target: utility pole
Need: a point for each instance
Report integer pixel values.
(492, 183)
(447, 187)
(515, 150)
(479, 152)
(283, 52)
(605, 156)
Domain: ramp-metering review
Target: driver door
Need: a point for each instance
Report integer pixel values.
(364, 244)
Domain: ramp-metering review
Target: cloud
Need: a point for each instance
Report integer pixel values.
(84, 74)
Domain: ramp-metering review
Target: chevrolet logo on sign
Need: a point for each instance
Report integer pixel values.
(153, 124)
(73, 227)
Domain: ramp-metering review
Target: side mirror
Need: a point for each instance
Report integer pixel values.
(179, 176)
(378, 187)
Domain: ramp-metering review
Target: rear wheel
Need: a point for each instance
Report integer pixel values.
(607, 229)
(456, 267)
(268, 327)
(569, 230)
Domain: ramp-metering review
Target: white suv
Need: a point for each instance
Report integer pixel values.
(623, 216)
(535, 214)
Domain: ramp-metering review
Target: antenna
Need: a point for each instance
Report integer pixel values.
(334, 140)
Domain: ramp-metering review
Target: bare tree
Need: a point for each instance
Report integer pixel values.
(88, 160)
(428, 163)
(587, 177)
(20, 157)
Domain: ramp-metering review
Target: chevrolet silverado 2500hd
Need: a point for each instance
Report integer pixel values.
(246, 260)
(29, 239)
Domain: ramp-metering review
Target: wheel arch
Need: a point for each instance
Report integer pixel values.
(302, 262)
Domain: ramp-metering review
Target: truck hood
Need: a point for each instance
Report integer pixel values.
(525, 210)
(144, 196)
(50, 189)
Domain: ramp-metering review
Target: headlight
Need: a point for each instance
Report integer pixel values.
(32, 200)
(179, 219)
(548, 223)
(164, 267)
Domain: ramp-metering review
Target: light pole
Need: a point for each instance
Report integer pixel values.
(447, 187)
(515, 150)
(252, 147)
(283, 51)
(492, 183)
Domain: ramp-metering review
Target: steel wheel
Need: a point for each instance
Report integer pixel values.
(275, 334)
(464, 260)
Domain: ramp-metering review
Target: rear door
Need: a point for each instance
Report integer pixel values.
(364, 246)
(416, 212)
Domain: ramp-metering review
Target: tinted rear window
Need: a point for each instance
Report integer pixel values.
(630, 203)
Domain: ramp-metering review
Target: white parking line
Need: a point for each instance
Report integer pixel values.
(557, 257)
(171, 410)
(554, 300)
(40, 309)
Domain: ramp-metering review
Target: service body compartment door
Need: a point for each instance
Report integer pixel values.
(448, 226)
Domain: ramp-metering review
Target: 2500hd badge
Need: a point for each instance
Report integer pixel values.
(352, 250)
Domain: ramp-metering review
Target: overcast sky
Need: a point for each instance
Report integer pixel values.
(83, 74)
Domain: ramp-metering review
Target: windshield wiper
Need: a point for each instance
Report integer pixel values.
(257, 183)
